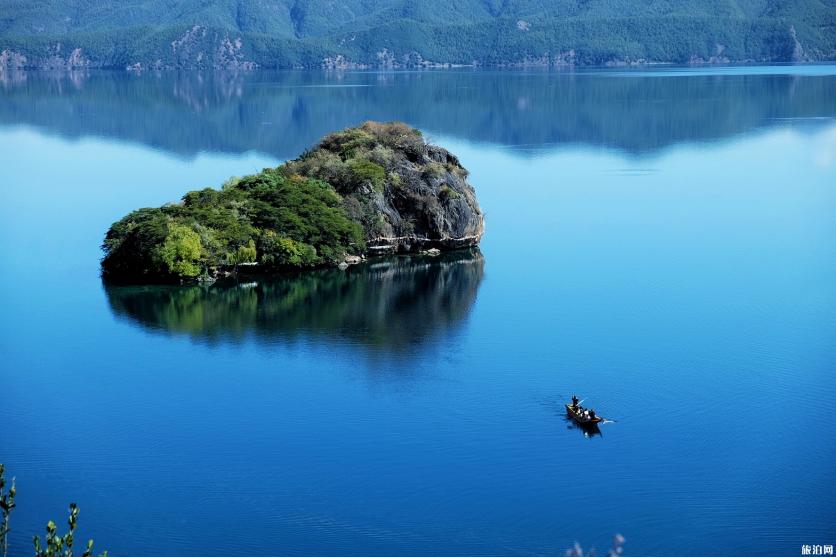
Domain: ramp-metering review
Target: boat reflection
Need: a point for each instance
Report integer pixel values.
(390, 304)
(587, 430)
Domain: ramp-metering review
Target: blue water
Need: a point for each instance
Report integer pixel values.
(661, 243)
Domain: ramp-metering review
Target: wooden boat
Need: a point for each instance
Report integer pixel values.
(580, 419)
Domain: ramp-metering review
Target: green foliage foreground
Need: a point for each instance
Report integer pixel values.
(62, 546)
(53, 544)
(7, 503)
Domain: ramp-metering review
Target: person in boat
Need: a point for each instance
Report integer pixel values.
(575, 402)
(592, 414)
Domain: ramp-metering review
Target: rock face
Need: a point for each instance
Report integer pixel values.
(407, 194)
(57, 58)
(201, 48)
(375, 189)
(10, 60)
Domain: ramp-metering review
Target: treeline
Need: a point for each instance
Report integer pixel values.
(595, 41)
(807, 32)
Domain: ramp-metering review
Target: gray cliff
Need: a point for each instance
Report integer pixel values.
(407, 194)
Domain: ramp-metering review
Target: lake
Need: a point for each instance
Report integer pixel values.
(661, 242)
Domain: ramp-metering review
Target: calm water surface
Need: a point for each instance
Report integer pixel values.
(662, 243)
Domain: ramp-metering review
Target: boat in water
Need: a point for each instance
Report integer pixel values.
(581, 416)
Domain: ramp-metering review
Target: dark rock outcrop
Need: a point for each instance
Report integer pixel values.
(407, 194)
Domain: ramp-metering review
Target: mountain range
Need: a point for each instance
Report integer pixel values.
(245, 34)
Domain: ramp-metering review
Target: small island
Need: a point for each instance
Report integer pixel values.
(371, 190)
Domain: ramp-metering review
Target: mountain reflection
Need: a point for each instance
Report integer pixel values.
(390, 304)
(283, 113)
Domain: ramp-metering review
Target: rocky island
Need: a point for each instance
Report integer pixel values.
(370, 190)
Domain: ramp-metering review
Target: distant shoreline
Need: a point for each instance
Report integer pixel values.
(475, 67)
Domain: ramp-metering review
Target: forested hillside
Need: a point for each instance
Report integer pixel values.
(390, 33)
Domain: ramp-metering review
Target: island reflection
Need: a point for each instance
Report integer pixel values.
(390, 304)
